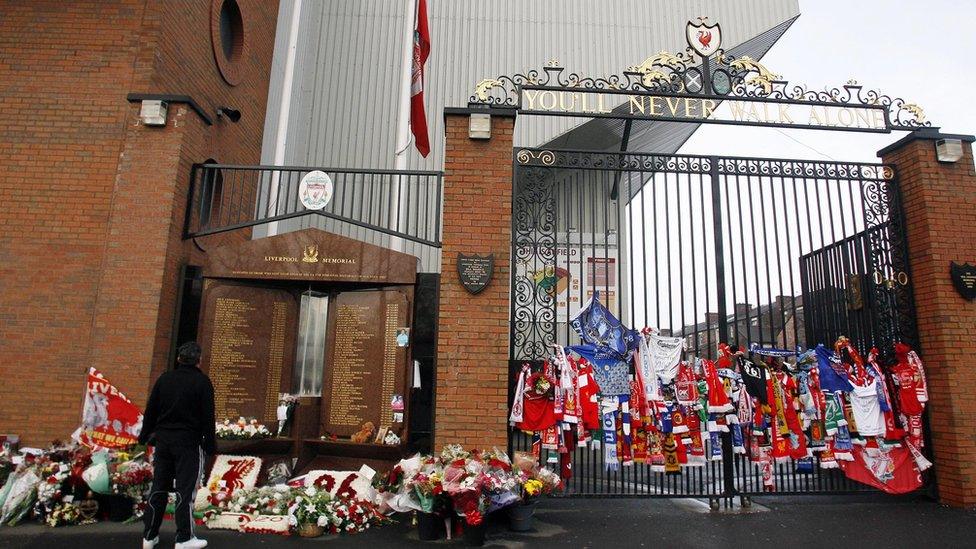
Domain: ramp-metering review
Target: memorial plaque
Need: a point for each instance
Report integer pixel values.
(365, 368)
(247, 335)
(475, 271)
(964, 279)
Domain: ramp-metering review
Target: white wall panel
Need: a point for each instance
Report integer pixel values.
(345, 96)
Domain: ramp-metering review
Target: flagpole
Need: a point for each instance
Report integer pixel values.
(281, 131)
(403, 139)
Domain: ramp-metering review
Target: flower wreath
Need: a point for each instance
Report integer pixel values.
(539, 385)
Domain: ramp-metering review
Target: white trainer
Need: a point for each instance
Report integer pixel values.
(150, 543)
(192, 543)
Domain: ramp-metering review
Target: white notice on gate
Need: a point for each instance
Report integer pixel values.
(581, 266)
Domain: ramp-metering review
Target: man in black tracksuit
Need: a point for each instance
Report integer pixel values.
(179, 422)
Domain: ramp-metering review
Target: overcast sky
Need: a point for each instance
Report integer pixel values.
(920, 51)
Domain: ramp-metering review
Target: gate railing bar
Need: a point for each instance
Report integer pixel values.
(723, 317)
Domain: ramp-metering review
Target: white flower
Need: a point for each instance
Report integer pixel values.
(309, 491)
(323, 521)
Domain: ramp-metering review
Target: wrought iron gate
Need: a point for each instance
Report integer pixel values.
(741, 250)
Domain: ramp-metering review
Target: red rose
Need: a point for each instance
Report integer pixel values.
(473, 517)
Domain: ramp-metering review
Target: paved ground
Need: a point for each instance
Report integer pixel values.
(860, 522)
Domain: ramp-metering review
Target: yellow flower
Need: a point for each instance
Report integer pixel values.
(533, 487)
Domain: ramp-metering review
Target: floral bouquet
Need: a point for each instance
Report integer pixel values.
(132, 479)
(21, 492)
(464, 481)
(6, 463)
(242, 429)
(50, 491)
(81, 460)
(391, 482)
(534, 481)
(63, 514)
(428, 490)
(393, 492)
(454, 452)
(350, 515)
(267, 500)
(500, 483)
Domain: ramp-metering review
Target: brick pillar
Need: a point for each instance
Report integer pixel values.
(940, 213)
(472, 330)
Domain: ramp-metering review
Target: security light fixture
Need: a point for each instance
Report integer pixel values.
(232, 114)
(153, 112)
(479, 126)
(948, 150)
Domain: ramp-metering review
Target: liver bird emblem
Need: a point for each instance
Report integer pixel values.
(915, 111)
(481, 89)
(649, 70)
(704, 37)
(764, 77)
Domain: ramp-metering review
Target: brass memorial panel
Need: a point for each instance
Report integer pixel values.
(365, 368)
(247, 335)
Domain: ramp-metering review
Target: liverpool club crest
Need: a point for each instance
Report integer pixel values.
(964, 279)
(315, 190)
(703, 38)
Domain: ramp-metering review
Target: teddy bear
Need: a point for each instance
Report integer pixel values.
(365, 434)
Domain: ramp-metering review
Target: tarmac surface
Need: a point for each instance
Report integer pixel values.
(854, 522)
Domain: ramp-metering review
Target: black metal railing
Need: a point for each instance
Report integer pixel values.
(399, 204)
(705, 247)
(712, 480)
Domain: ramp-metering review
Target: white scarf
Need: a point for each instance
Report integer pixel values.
(665, 355)
(518, 406)
(645, 370)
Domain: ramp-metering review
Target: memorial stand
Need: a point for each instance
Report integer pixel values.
(251, 302)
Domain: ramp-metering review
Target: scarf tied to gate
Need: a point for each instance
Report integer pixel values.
(608, 411)
(597, 326)
(518, 409)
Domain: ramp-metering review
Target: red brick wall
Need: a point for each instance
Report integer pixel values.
(91, 202)
(184, 64)
(64, 70)
(940, 210)
(472, 341)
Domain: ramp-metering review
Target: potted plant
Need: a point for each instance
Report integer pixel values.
(309, 513)
(464, 481)
(534, 483)
(130, 482)
(428, 493)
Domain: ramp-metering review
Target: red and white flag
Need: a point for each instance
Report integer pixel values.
(421, 49)
(109, 419)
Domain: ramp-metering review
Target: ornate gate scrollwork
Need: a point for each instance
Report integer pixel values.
(534, 252)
